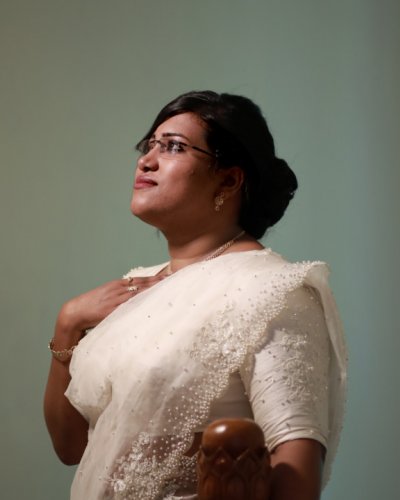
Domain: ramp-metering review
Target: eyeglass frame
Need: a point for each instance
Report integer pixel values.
(180, 143)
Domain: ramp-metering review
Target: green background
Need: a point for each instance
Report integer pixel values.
(80, 81)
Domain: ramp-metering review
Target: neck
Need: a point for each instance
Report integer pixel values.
(184, 252)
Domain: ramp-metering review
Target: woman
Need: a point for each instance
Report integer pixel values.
(226, 328)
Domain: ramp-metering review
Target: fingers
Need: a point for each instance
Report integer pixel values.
(135, 284)
(94, 305)
(124, 289)
(145, 281)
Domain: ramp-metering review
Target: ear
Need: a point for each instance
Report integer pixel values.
(231, 180)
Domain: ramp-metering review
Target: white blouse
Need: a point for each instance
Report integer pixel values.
(284, 386)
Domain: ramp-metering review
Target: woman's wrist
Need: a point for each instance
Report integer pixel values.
(69, 329)
(67, 334)
(68, 321)
(62, 355)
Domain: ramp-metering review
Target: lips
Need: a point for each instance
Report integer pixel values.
(143, 182)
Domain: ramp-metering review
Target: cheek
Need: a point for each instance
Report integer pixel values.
(193, 172)
(197, 185)
(186, 181)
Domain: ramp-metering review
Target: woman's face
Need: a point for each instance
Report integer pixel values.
(174, 185)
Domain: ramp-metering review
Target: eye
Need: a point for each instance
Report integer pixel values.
(175, 146)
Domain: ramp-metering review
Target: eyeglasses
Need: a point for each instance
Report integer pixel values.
(169, 147)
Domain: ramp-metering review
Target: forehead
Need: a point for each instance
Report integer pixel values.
(187, 125)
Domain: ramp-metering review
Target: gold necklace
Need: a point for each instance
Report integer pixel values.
(219, 251)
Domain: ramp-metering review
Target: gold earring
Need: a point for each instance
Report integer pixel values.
(219, 201)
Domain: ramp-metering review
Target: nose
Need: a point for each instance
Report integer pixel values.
(149, 161)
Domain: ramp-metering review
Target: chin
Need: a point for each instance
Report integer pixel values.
(144, 214)
(137, 208)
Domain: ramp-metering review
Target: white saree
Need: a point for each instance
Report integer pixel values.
(147, 377)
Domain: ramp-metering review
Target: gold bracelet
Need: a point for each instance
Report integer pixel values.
(63, 355)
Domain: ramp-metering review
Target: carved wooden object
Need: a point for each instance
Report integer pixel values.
(233, 462)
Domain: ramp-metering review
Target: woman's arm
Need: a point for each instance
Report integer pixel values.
(296, 470)
(67, 427)
(288, 391)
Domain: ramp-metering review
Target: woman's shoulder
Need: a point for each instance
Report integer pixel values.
(313, 273)
(270, 261)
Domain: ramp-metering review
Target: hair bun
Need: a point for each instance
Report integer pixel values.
(284, 177)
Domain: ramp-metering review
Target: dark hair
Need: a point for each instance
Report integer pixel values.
(238, 134)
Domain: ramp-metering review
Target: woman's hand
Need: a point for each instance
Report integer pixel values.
(90, 308)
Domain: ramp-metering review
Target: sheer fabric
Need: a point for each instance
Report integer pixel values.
(162, 365)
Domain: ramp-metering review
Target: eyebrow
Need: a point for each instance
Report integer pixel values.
(173, 134)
